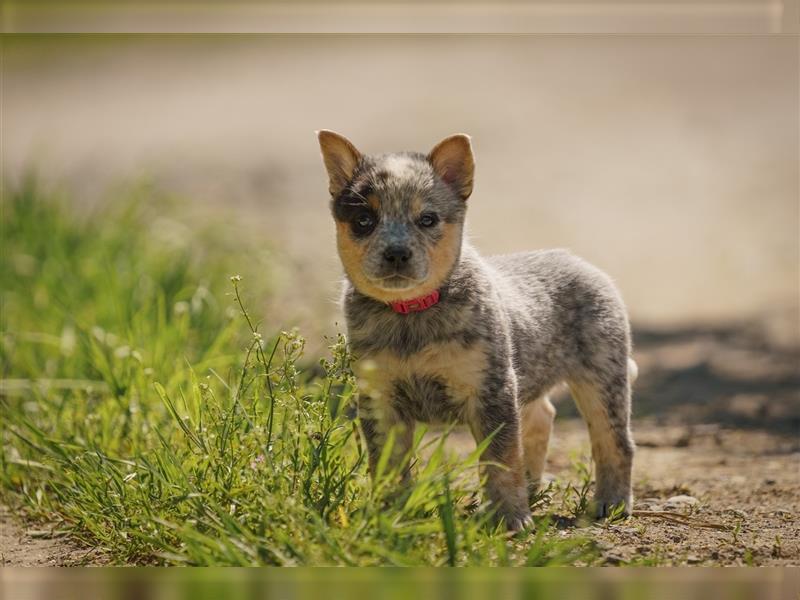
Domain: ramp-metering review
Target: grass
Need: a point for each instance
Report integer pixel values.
(146, 411)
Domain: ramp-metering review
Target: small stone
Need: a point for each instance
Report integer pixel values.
(681, 501)
(613, 559)
(737, 513)
(770, 481)
(602, 545)
(693, 559)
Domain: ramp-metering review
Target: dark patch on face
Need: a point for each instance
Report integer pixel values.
(352, 207)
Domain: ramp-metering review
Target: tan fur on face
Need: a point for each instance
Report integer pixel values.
(442, 256)
(351, 253)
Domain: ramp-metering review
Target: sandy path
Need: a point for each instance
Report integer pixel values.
(24, 545)
(744, 479)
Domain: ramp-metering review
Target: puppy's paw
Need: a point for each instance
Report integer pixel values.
(518, 520)
(612, 505)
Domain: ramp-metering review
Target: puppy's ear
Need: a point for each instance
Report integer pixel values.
(452, 160)
(340, 158)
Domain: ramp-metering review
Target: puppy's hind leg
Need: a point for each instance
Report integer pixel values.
(537, 423)
(604, 402)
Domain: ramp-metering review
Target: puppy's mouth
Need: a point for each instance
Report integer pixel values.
(395, 282)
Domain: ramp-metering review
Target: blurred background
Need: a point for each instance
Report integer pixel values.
(670, 161)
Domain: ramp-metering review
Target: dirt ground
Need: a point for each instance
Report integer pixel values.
(745, 481)
(23, 545)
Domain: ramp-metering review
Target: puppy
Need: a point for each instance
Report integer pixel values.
(441, 334)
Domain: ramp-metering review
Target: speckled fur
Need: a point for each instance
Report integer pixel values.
(506, 330)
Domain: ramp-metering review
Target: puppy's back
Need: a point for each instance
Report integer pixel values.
(574, 294)
(558, 273)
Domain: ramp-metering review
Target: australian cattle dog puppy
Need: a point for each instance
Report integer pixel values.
(441, 334)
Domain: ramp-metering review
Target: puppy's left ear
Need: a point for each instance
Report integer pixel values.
(453, 161)
(340, 157)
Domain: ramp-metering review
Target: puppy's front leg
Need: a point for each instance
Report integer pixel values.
(506, 486)
(377, 420)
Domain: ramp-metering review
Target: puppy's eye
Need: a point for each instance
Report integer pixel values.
(428, 220)
(363, 223)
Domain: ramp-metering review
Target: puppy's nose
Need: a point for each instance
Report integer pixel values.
(396, 255)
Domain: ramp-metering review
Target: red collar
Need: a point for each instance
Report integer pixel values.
(415, 304)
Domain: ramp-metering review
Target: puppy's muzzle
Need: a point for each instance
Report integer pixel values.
(397, 256)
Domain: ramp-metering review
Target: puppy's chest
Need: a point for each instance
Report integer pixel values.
(439, 383)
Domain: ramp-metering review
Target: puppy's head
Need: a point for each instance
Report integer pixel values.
(399, 217)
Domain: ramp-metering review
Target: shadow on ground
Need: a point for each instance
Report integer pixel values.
(734, 376)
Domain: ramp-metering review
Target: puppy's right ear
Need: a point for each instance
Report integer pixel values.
(340, 158)
(453, 161)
